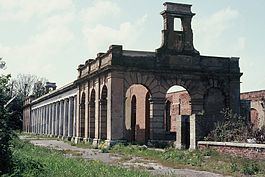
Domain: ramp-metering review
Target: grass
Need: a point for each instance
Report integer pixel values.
(208, 160)
(32, 160)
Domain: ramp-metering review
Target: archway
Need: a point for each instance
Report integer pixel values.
(137, 114)
(103, 114)
(91, 123)
(176, 115)
(82, 115)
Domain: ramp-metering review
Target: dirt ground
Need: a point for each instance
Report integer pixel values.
(114, 159)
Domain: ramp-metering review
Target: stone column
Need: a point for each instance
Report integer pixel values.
(77, 115)
(61, 122)
(65, 118)
(57, 118)
(115, 107)
(74, 117)
(70, 117)
(52, 115)
(97, 114)
(182, 133)
(50, 119)
(41, 113)
(157, 130)
(46, 120)
(86, 112)
(38, 121)
(32, 121)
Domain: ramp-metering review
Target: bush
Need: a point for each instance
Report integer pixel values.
(233, 128)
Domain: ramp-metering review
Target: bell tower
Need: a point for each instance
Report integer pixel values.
(177, 41)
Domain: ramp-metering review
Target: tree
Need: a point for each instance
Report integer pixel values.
(6, 132)
(27, 84)
(39, 88)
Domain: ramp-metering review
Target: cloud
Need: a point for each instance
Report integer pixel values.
(51, 34)
(24, 10)
(99, 36)
(100, 10)
(210, 31)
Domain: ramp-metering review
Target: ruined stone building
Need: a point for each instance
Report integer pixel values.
(253, 104)
(121, 95)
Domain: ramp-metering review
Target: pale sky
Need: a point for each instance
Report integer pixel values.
(50, 38)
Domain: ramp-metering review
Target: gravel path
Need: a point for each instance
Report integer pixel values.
(135, 162)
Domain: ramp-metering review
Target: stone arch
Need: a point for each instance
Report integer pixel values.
(103, 113)
(82, 115)
(91, 129)
(137, 113)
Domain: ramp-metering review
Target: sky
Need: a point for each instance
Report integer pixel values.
(50, 38)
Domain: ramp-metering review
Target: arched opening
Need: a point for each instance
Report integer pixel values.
(103, 114)
(176, 115)
(91, 123)
(137, 114)
(133, 117)
(254, 117)
(82, 116)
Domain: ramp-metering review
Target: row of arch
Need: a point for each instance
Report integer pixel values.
(102, 122)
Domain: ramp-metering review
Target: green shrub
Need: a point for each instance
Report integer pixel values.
(250, 168)
(233, 128)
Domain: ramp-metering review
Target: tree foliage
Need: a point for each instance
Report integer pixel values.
(236, 128)
(6, 132)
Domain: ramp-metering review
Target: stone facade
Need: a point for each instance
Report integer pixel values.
(121, 94)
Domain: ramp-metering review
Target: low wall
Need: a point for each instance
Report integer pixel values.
(239, 149)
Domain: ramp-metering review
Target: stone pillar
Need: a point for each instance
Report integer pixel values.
(74, 117)
(39, 121)
(57, 118)
(198, 126)
(115, 108)
(50, 119)
(41, 113)
(61, 122)
(77, 115)
(65, 118)
(70, 117)
(182, 132)
(157, 130)
(52, 114)
(33, 121)
(46, 120)
(97, 114)
(86, 138)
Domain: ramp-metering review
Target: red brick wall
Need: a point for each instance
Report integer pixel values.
(180, 105)
(140, 93)
(258, 153)
(253, 96)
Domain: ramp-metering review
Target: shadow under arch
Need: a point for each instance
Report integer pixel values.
(91, 122)
(103, 113)
(82, 115)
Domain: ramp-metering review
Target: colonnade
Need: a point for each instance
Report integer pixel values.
(57, 118)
